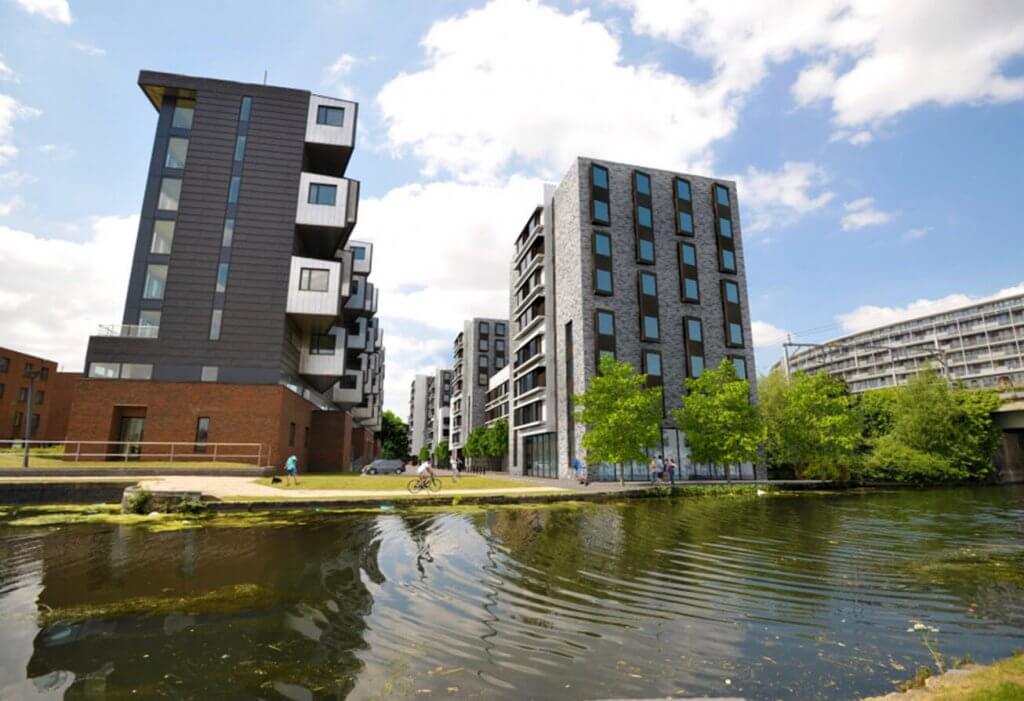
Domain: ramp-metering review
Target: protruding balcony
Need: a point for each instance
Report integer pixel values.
(325, 212)
(322, 358)
(330, 134)
(362, 256)
(313, 291)
(362, 301)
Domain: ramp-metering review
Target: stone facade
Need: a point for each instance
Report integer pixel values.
(469, 393)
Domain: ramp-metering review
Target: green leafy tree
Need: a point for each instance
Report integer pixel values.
(497, 439)
(978, 435)
(925, 414)
(394, 437)
(810, 424)
(476, 443)
(442, 452)
(893, 461)
(721, 424)
(876, 409)
(622, 415)
(424, 453)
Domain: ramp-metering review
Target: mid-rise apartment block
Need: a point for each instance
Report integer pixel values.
(418, 413)
(479, 351)
(51, 393)
(642, 264)
(429, 421)
(250, 316)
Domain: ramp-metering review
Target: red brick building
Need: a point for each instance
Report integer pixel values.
(51, 404)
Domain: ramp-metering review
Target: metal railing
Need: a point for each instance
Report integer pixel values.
(129, 330)
(56, 453)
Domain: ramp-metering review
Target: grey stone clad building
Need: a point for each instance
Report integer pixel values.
(429, 421)
(479, 351)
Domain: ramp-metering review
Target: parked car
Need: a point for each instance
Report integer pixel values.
(384, 467)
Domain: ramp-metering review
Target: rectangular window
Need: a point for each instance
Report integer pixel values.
(652, 367)
(484, 345)
(23, 394)
(149, 323)
(722, 195)
(647, 285)
(322, 344)
(17, 419)
(163, 237)
(184, 110)
(728, 261)
(5, 363)
(684, 207)
(499, 346)
(177, 152)
(314, 279)
(600, 195)
(240, 147)
(209, 373)
(105, 371)
(690, 287)
(40, 396)
(222, 277)
(236, 185)
(229, 233)
(693, 342)
(322, 193)
(740, 363)
(484, 328)
(202, 433)
(243, 114)
(605, 336)
(215, 321)
(170, 194)
(723, 228)
(156, 282)
(136, 371)
(643, 219)
(602, 263)
(330, 116)
(643, 216)
(732, 314)
(44, 373)
(358, 253)
(499, 330)
(291, 434)
(643, 184)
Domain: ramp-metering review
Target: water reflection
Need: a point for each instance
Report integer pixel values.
(806, 597)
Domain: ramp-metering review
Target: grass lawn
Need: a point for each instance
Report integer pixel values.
(395, 482)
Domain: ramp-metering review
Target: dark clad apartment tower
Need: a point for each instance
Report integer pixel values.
(244, 275)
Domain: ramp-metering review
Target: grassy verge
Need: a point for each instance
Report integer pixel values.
(396, 483)
(1000, 681)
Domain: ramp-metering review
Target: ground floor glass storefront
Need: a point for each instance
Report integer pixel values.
(540, 455)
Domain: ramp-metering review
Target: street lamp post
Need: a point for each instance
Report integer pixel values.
(31, 375)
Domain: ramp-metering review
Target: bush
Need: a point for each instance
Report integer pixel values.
(138, 502)
(893, 461)
(190, 507)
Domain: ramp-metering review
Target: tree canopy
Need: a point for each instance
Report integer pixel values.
(394, 437)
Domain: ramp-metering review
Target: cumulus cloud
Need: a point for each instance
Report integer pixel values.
(53, 10)
(862, 213)
(6, 73)
(57, 292)
(871, 316)
(88, 49)
(766, 335)
(10, 111)
(337, 73)
(871, 61)
(407, 356)
(780, 198)
(9, 205)
(519, 83)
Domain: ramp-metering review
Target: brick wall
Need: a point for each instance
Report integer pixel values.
(12, 381)
(58, 398)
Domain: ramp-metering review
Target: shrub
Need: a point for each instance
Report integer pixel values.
(893, 461)
(190, 507)
(138, 502)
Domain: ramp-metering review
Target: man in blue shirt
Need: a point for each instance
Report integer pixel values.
(291, 468)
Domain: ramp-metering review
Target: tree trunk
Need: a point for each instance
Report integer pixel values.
(622, 474)
(728, 474)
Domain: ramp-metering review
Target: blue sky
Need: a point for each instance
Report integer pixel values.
(877, 148)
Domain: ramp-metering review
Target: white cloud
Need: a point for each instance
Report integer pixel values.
(780, 198)
(53, 10)
(13, 178)
(6, 73)
(407, 356)
(338, 71)
(872, 60)
(8, 206)
(766, 335)
(88, 49)
(862, 213)
(57, 292)
(870, 316)
(519, 83)
(918, 232)
(11, 110)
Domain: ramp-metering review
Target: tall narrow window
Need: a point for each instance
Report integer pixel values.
(602, 263)
(202, 433)
(163, 236)
(648, 294)
(689, 286)
(170, 194)
(684, 207)
(177, 152)
(321, 193)
(229, 233)
(723, 226)
(236, 185)
(693, 341)
(184, 110)
(643, 218)
(604, 321)
(156, 282)
(222, 277)
(239, 147)
(215, 321)
(243, 114)
(732, 314)
(599, 195)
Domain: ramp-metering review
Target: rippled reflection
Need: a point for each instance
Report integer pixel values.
(799, 597)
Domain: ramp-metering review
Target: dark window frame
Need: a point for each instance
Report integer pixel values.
(648, 305)
(655, 380)
(688, 272)
(693, 348)
(732, 313)
(602, 263)
(323, 113)
(306, 279)
(644, 233)
(600, 194)
(725, 243)
(604, 342)
(317, 188)
(202, 434)
(683, 206)
(318, 345)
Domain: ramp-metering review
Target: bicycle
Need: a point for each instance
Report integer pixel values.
(418, 484)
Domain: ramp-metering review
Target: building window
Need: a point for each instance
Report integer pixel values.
(645, 251)
(643, 219)
(499, 330)
(229, 232)
(732, 313)
(5, 363)
(202, 433)
(690, 287)
(499, 346)
(23, 394)
(643, 216)
(684, 207)
(693, 341)
(105, 371)
(222, 277)
(215, 321)
(163, 237)
(599, 195)
(602, 263)
(723, 227)
(740, 363)
(170, 194)
(732, 292)
(648, 295)
(643, 183)
(315, 279)
(239, 147)
(209, 373)
(136, 371)
(330, 116)
(243, 115)
(484, 328)
(291, 434)
(722, 195)
(44, 373)
(322, 193)
(728, 261)
(735, 334)
(184, 110)
(236, 185)
(605, 336)
(40, 396)
(484, 345)
(322, 344)
(149, 323)
(305, 439)
(156, 282)
(483, 361)
(652, 367)
(177, 152)
(358, 253)
(17, 419)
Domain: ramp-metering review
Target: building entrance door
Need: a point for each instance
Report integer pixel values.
(130, 436)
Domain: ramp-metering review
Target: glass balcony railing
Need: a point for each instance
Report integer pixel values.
(129, 330)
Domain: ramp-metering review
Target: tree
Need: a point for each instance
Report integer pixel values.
(978, 434)
(394, 437)
(496, 444)
(424, 453)
(622, 416)
(721, 424)
(810, 424)
(442, 452)
(476, 443)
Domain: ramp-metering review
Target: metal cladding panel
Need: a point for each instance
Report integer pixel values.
(342, 136)
(310, 302)
(333, 216)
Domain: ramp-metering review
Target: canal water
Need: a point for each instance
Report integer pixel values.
(783, 597)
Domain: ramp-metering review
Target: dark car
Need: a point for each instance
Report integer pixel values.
(384, 467)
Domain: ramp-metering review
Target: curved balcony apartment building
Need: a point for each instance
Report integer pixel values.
(250, 316)
(980, 344)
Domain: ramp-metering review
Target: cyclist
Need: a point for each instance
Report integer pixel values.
(425, 473)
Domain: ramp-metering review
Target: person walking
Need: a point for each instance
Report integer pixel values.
(657, 468)
(672, 467)
(456, 469)
(291, 470)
